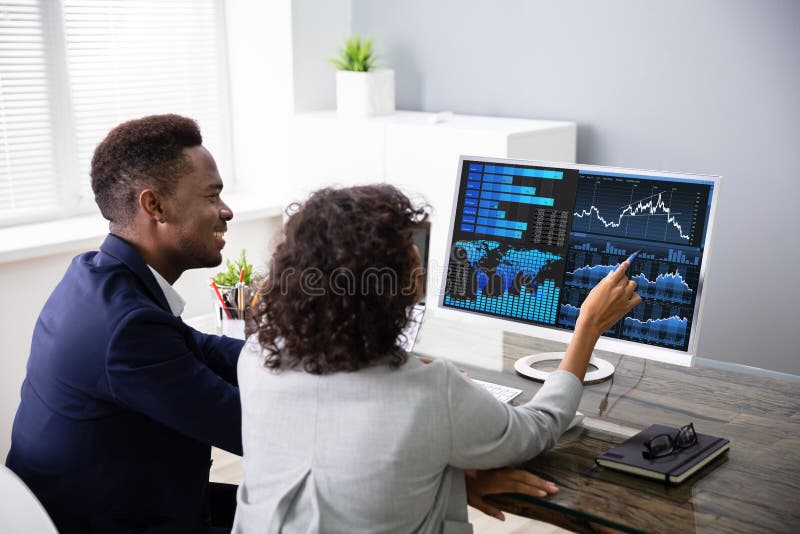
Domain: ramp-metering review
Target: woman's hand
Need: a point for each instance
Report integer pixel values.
(489, 482)
(608, 301)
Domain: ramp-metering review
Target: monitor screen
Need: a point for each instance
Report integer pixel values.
(528, 240)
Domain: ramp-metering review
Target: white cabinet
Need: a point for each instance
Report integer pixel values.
(412, 151)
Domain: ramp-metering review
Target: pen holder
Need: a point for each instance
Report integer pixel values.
(231, 318)
(230, 323)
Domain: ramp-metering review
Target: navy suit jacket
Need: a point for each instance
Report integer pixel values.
(122, 402)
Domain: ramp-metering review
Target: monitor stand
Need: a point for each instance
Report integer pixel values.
(524, 367)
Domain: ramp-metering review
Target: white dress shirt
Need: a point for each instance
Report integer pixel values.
(175, 301)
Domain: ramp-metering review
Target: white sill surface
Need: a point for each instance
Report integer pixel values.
(74, 233)
(445, 120)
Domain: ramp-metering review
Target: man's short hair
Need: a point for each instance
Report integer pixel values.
(145, 153)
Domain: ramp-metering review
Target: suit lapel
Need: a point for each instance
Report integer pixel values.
(118, 248)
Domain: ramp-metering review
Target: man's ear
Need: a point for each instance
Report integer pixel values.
(150, 202)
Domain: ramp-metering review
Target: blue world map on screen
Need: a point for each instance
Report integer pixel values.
(508, 262)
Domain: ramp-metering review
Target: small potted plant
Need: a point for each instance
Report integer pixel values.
(362, 89)
(232, 291)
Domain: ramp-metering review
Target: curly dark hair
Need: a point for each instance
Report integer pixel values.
(139, 154)
(341, 281)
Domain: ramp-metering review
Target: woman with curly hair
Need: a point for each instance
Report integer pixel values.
(342, 431)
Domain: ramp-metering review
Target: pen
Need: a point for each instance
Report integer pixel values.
(240, 294)
(221, 300)
(230, 304)
(254, 300)
(630, 261)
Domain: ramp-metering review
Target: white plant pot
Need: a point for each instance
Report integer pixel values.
(364, 94)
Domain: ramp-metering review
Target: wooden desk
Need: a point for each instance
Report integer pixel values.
(754, 488)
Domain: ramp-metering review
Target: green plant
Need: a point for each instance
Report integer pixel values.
(357, 55)
(230, 277)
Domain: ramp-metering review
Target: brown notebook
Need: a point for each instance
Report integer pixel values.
(673, 468)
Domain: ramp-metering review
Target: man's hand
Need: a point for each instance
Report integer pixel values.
(489, 482)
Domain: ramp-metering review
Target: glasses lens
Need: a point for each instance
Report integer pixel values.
(685, 437)
(660, 444)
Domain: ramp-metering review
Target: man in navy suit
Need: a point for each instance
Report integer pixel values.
(122, 401)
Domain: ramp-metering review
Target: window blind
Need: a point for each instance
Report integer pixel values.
(127, 59)
(27, 173)
(112, 61)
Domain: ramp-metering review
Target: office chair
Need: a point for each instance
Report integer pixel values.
(21, 511)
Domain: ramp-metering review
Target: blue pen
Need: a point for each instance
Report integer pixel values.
(630, 261)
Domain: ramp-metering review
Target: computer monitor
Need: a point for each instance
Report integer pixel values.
(529, 239)
(421, 235)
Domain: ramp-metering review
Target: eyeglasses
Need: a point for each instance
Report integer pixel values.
(666, 444)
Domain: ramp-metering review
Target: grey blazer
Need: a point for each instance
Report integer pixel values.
(379, 450)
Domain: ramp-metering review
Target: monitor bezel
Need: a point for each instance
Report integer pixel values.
(622, 346)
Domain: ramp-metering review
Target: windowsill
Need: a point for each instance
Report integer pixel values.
(78, 233)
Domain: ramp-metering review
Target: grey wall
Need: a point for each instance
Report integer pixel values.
(319, 28)
(696, 86)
